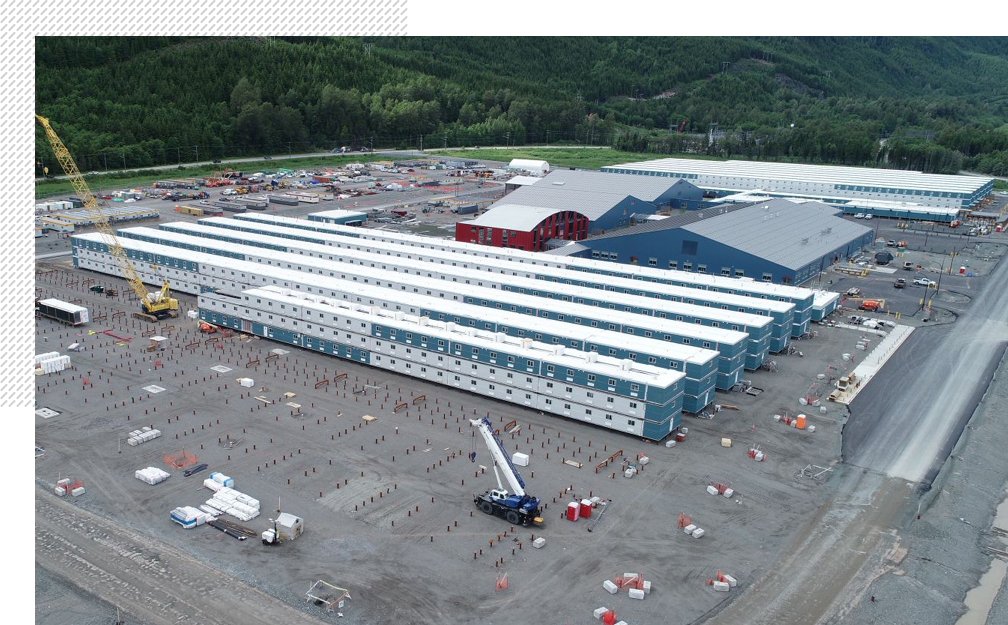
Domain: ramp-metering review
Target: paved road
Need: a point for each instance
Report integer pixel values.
(251, 159)
(906, 421)
(283, 157)
(146, 578)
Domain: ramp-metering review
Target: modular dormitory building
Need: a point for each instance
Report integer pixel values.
(483, 289)
(193, 271)
(714, 309)
(801, 297)
(634, 398)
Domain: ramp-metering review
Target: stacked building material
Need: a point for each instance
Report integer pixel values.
(51, 362)
(152, 475)
(227, 500)
(188, 517)
(143, 435)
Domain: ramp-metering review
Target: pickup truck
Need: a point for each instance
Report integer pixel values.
(924, 282)
(853, 292)
(900, 283)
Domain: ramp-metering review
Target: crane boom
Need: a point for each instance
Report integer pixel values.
(501, 459)
(155, 305)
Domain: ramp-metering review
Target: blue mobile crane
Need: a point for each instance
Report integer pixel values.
(517, 507)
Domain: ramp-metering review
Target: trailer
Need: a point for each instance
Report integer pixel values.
(287, 200)
(64, 312)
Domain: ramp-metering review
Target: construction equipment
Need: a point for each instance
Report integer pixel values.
(207, 328)
(517, 508)
(155, 306)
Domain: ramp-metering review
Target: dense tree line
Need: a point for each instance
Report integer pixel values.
(927, 103)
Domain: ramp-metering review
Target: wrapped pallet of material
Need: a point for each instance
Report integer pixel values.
(689, 529)
(222, 479)
(636, 593)
(520, 459)
(77, 492)
(647, 587)
(669, 444)
(610, 587)
(628, 473)
(46, 356)
(132, 441)
(213, 509)
(212, 485)
(247, 500)
(598, 612)
(730, 580)
(211, 513)
(698, 532)
(643, 460)
(59, 490)
(246, 382)
(539, 543)
(726, 442)
(711, 490)
(721, 586)
(728, 493)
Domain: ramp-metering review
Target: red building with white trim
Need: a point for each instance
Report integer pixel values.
(523, 227)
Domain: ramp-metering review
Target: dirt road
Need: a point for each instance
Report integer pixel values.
(149, 580)
(805, 583)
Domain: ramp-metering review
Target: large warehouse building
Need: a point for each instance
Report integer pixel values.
(831, 184)
(780, 240)
(570, 205)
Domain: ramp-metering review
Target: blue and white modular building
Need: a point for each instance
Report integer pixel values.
(638, 399)
(193, 271)
(499, 292)
(799, 296)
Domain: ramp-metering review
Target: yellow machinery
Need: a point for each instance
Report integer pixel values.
(155, 306)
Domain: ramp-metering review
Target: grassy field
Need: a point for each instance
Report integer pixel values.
(585, 158)
(125, 180)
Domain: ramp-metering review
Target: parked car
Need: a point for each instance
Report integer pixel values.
(859, 216)
(195, 469)
(867, 216)
(925, 282)
(907, 265)
(900, 283)
(891, 243)
(216, 161)
(267, 158)
(853, 291)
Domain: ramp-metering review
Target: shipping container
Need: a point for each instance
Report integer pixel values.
(63, 312)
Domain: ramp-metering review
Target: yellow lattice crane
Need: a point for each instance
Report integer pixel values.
(155, 306)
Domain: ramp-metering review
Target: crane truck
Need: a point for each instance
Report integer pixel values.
(517, 507)
(153, 306)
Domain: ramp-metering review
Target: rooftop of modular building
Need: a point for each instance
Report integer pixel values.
(484, 279)
(702, 333)
(689, 292)
(702, 281)
(675, 351)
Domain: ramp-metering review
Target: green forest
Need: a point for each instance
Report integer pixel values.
(934, 104)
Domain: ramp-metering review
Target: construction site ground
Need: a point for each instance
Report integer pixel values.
(387, 503)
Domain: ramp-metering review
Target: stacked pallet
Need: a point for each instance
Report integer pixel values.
(152, 475)
(227, 500)
(50, 362)
(188, 517)
(143, 435)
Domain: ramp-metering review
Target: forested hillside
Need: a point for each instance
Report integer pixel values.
(937, 104)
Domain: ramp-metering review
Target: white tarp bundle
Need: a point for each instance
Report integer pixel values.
(152, 475)
(143, 435)
(51, 362)
(246, 382)
(222, 479)
(230, 501)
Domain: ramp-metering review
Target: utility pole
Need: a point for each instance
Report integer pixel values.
(197, 153)
(421, 142)
(179, 150)
(124, 160)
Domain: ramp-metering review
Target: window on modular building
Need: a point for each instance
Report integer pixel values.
(612, 382)
(702, 268)
(653, 262)
(767, 277)
(687, 266)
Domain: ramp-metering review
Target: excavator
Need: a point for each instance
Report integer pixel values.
(154, 306)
